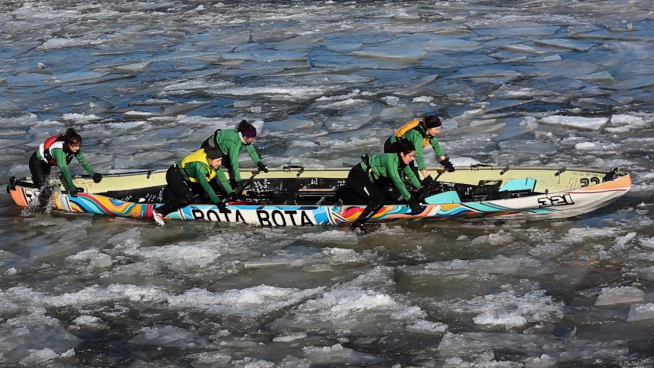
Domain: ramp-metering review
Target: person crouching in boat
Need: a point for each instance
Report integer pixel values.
(422, 133)
(59, 151)
(231, 142)
(369, 177)
(191, 180)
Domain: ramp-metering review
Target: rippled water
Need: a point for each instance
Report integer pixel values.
(520, 82)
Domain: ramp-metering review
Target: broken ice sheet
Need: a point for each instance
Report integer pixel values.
(352, 120)
(472, 343)
(620, 295)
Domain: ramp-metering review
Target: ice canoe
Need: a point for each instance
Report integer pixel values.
(298, 196)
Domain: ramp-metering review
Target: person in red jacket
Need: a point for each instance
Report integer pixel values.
(59, 151)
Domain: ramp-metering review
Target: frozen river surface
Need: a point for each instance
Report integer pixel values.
(517, 82)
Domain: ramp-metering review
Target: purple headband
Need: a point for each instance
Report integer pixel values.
(249, 133)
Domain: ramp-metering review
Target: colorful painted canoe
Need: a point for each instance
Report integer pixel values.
(297, 196)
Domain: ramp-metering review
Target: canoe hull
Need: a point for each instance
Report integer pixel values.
(558, 205)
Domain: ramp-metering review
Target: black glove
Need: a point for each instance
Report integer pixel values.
(262, 167)
(447, 164)
(428, 181)
(222, 207)
(423, 192)
(416, 208)
(97, 177)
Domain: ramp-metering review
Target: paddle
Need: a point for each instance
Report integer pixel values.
(440, 172)
(240, 189)
(247, 183)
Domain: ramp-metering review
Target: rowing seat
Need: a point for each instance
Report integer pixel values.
(317, 194)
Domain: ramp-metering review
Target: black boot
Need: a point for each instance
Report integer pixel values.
(358, 224)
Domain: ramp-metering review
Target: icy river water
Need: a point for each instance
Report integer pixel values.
(546, 83)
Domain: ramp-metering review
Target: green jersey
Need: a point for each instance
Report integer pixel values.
(419, 138)
(196, 171)
(231, 144)
(387, 165)
(62, 159)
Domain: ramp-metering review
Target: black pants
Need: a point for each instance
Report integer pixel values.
(179, 192)
(40, 172)
(368, 191)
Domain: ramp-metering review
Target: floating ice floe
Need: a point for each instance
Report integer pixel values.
(575, 121)
(620, 295)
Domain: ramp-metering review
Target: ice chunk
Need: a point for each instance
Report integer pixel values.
(298, 42)
(575, 121)
(39, 356)
(352, 120)
(534, 345)
(641, 312)
(41, 254)
(58, 43)
(448, 43)
(251, 302)
(289, 338)
(498, 265)
(87, 321)
(112, 293)
(636, 83)
(209, 359)
(293, 362)
(36, 338)
(178, 109)
(390, 53)
(567, 68)
(391, 100)
(427, 327)
(620, 295)
(507, 309)
(93, 256)
(78, 77)
(131, 68)
(601, 76)
(129, 239)
(337, 354)
(540, 362)
(523, 48)
(171, 336)
(4, 143)
(290, 124)
(509, 30)
(252, 363)
(265, 56)
(566, 44)
(646, 273)
(586, 146)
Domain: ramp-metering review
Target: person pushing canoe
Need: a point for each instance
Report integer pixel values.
(422, 133)
(192, 180)
(369, 177)
(231, 142)
(59, 150)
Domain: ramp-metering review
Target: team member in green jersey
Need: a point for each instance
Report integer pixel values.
(190, 181)
(231, 142)
(59, 151)
(370, 176)
(422, 133)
